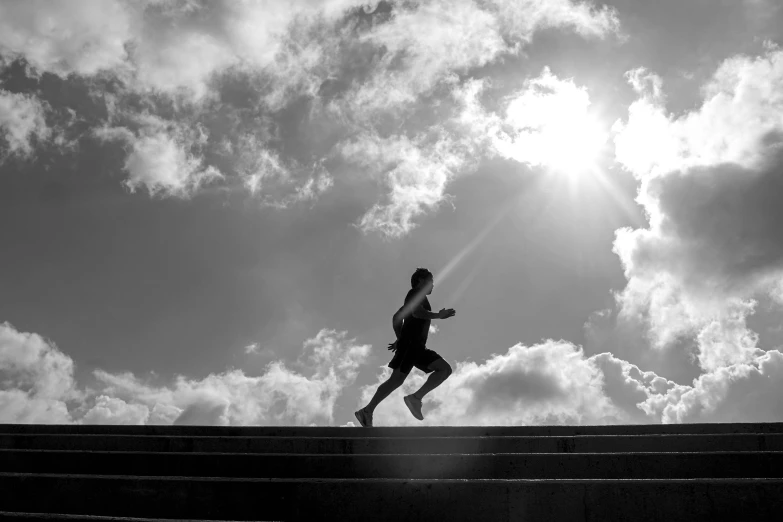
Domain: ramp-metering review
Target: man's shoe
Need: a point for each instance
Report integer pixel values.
(364, 418)
(414, 405)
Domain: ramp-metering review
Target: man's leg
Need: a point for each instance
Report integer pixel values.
(392, 383)
(441, 372)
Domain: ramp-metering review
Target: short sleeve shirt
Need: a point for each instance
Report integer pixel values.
(415, 330)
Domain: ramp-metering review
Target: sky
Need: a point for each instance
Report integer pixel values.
(210, 211)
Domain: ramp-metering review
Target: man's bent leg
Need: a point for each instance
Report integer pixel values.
(441, 372)
(392, 383)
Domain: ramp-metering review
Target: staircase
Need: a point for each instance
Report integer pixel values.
(547, 473)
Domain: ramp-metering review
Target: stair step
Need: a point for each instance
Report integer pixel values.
(469, 466)
(395, 499)
(398, 445)
(396, 431)
(60, 517)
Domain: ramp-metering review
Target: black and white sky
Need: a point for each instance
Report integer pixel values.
(210, 210)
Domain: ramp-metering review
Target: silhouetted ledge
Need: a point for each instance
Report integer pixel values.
(398, 431)
(687, 472)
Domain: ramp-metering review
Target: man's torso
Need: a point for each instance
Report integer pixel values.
(415, 330)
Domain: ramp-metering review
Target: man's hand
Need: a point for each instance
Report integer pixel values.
(393, 346)
(445, 313)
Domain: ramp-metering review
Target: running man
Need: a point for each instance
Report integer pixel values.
(411, 324)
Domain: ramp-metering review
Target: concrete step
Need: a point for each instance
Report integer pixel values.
(395, 499)
(408, 431)
(7, 516)
(456, 466)
(398, 445)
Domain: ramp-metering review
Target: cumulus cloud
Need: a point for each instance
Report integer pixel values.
(426, 43)
(279, 396)
(160, 158)
(535, 123)
(169, 45)
(38, 386)
(21, 118)
(187, 68)
(555, 383)
(416, 172)
(277, 182)
(709, 181)
(63, 36)
(549, 383)
(37, 379)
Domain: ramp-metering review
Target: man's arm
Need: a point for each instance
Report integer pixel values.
(421, 313)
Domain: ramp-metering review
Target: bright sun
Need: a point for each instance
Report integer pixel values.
(551, 125)
(575, 147)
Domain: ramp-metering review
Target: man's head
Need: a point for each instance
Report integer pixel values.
(422, 278)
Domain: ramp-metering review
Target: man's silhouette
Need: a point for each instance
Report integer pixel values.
(411, 324)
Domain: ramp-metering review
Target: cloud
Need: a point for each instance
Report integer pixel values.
(709, 181)
(426, 43)
(160, 157)
(36, 377)
(163, 45)
(533, 124)
(67, 36)
(185, 78)
(277, 182)
(555, 383)
(21, 118)
(416, 172)
(111, 410)
(548, 383)
(278, 396)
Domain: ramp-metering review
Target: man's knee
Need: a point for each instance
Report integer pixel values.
(442, 367)
(397, 377)
(447, 369)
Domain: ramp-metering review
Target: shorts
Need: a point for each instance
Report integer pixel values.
(408, 356)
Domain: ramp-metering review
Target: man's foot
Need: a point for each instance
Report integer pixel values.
(414, 405)
(364, 418)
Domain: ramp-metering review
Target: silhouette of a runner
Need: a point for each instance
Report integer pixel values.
(411, 324)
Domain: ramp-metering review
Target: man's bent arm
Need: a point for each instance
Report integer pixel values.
(421, 313)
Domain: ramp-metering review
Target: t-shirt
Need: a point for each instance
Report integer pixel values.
(415, 330)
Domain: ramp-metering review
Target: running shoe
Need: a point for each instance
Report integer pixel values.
(414, 405)
(364, 418)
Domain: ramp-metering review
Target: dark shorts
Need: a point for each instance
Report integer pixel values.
(408, 356)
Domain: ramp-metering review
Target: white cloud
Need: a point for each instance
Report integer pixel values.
(426, 43)
(36, 379)
(538, 121)
(160, 157)
(522, 18)
(278, 396)
(549, 383)
(710, 183)
(21, 117)
(111, 410)
(65, 36)
(184, 52)
(164, 45)
(416, 172)
(277, 183)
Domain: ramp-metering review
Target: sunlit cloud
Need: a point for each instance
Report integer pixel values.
(708, 183)
(416, 172)
(22, 117)
(159, 157)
